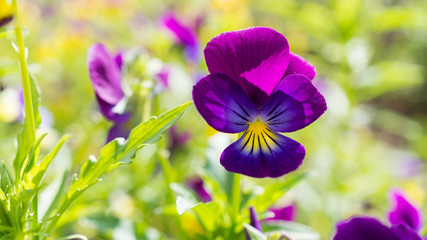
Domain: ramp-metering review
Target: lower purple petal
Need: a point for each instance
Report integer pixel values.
(223, 104)
(364, 228)
(263, 154)
(118, 130)
(404, 212)
(297, 65)
(295, 104)
(107, 111)
(404, 232)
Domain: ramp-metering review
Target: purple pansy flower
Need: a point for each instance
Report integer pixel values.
(105, 74)
(286, 213)
(404, 218)
(197, 185)
(184, 35)
(257, 86)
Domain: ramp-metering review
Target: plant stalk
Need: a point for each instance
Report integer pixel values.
(28, 103)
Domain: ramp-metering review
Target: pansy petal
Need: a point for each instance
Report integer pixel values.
(261, 152)
(118, 130)
(256, 58)
(104, 74)
(254, 219)
(297, 65)
(223, 104)
(107, 110)
(404, 232)
(403, 211)
(198, 186)
(295, 104)
(364, 228)
(287, 213)
(183, 35)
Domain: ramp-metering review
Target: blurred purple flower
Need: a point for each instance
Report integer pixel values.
(404, 219)
(177, 139)
(257, 86)
(105, 74)
(5, 20)
(287, 213)
(254, 222)
(184, 35)
(403, 212)
(197, 185)
(163, 77)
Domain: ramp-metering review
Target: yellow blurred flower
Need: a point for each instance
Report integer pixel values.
(6, 14)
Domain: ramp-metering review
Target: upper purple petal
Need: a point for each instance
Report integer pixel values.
(404, 232)
(295, 104)
(183, 34)
(263, 154)
(256, 58)
(104, 74)
(297, 65)
(223, 104)
(364, 228)
(287, 213)
(403, 211)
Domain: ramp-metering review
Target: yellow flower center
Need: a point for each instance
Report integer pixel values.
(259, 137)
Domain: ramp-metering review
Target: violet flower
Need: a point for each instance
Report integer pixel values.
(177, 139)
(405, 221)
(197, 185)
(286, 213)
(105, 74)
(253, 216)
(257, 86)
(184, 35)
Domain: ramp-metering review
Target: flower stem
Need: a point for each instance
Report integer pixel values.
(235, 199)
(29, 111)
(28, 103)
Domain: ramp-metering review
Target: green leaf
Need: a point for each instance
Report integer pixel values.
(209, 214)
(59, 194)
(120, 151)
(34, 177)
(6, 181)
(293, 230)
(254, 234)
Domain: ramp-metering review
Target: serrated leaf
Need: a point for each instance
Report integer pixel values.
(119, 151)
(35, 176)
(254, 234)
